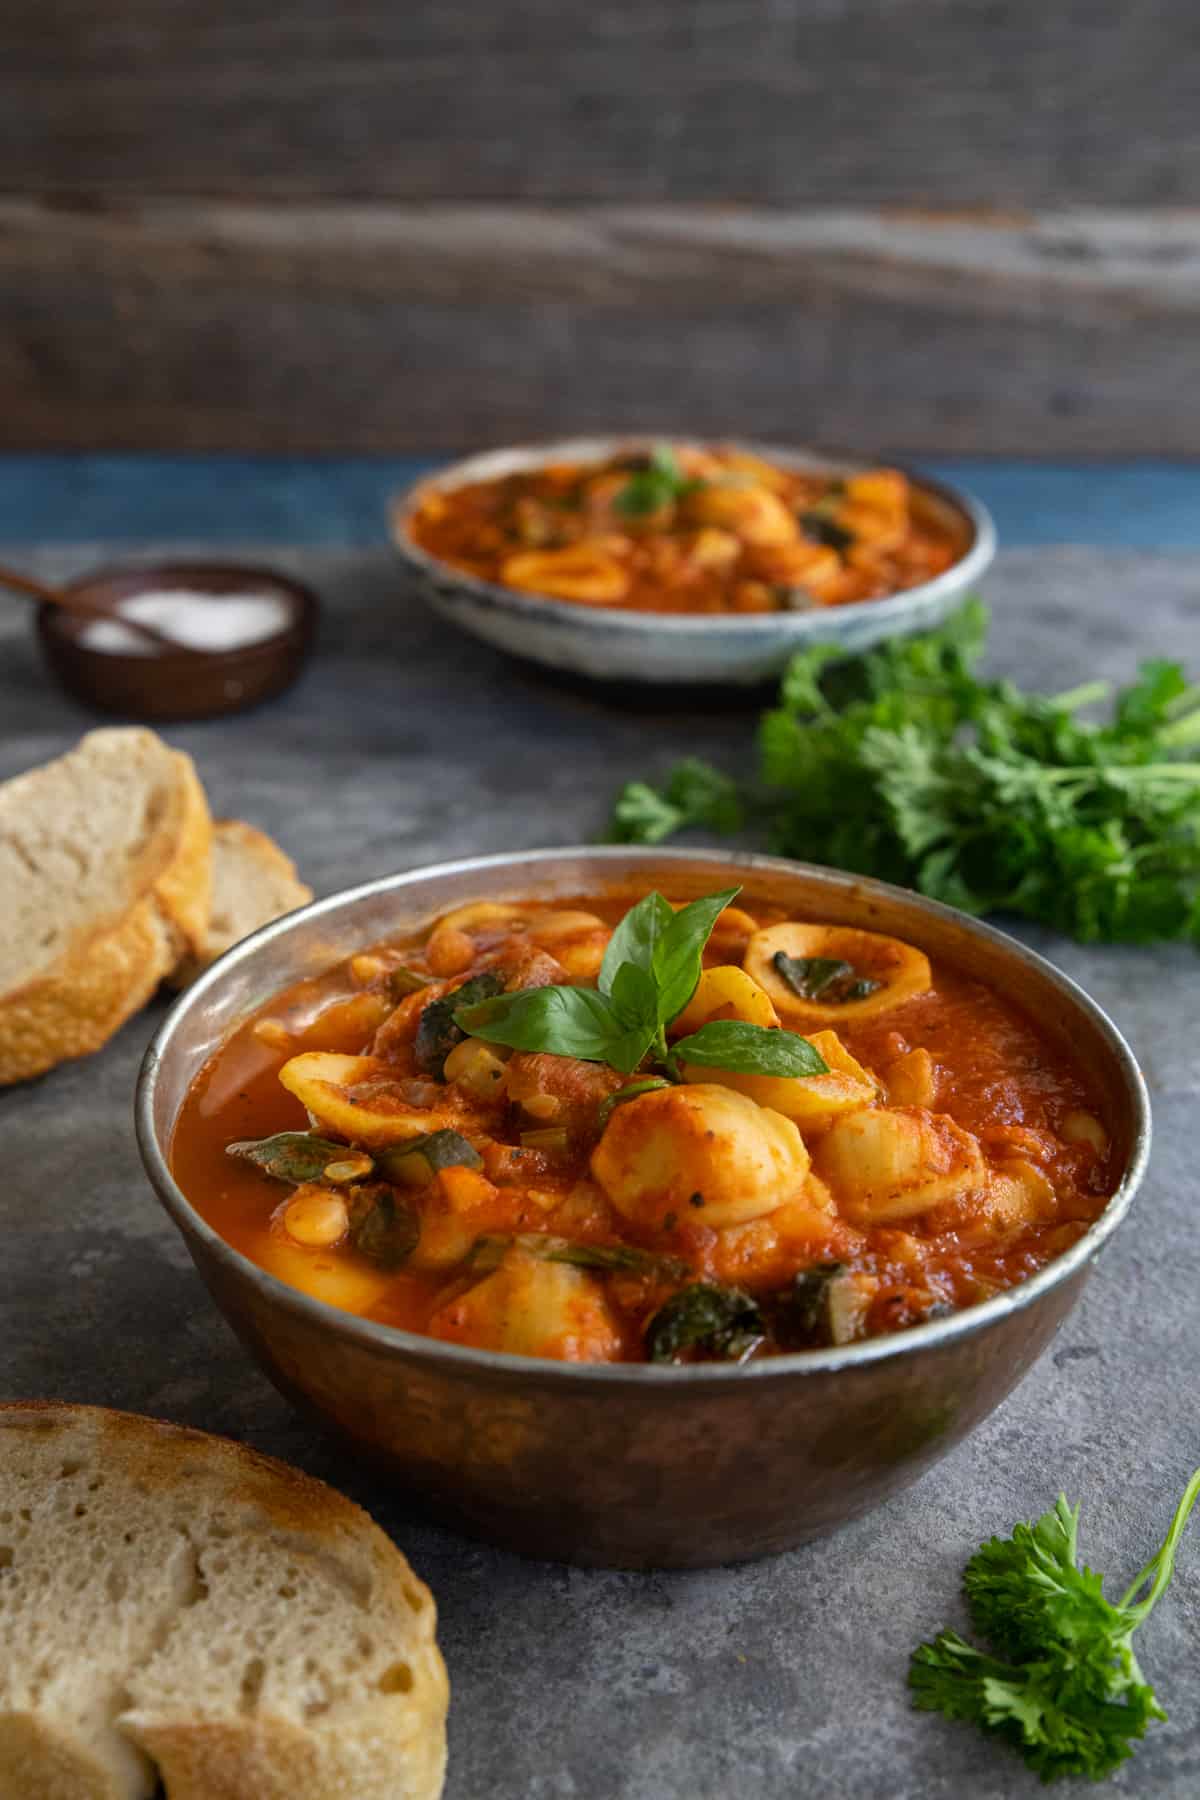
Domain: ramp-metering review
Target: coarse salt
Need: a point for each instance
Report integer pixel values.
(195, 621)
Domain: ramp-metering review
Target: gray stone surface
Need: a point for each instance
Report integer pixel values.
(767, 1682)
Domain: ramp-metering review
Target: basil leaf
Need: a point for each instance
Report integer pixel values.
(634, 995)
(438, 1030)
(635, 939)
(626, 1053)
(749, 1050)
(723, 1321)
(566, 1021)
(655, 484)
(677, 955)
(293, 1156)
(824, 978)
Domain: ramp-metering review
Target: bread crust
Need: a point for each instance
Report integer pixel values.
(280, 891)
(105, 975)
(386, 1741)
(38, 1762)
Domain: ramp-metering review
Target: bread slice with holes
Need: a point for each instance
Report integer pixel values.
(254, 881)
(176, 1607)
(106, 879)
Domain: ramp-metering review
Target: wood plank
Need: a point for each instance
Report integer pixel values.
(206, 325)
(946, 102)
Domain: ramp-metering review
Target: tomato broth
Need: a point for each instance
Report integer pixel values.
(527, 1200)
(686, 530)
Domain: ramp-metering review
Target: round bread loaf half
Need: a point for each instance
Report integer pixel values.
(175, 1607)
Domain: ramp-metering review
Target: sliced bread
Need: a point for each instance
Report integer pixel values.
(105, 882)
(176, 1607)
(253, 883)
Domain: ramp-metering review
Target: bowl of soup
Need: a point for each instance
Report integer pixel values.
(669, 560)
(642, 1207)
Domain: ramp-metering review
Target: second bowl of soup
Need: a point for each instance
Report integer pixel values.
(676, 561)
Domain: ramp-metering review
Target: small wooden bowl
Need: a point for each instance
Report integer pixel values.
(184, 684)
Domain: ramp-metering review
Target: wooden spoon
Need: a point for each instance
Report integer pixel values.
(83, 608)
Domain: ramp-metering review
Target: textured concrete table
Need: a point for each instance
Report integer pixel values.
(766, 1682)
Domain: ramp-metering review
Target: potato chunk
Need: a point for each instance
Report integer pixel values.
(359, 1098)
(751, 513)
(812, 1101)
(892, 1163)
(327, 1275)
(912, 1079)
(725, 992)
(701, 1152)
(768, 1250)
(532, 1308)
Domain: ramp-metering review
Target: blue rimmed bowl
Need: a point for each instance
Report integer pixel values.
(607, 643)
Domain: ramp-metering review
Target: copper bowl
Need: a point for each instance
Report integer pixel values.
(631, 1465)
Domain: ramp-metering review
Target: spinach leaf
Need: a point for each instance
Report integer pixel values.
(824, 978)
(438, 1029)
(609, 1259)
(384, 1228)
(799, 1315)
(416, 1161)
(749, 1050)
(821, 528)
(292, 1156)
(720, 1321)
(620, 1259)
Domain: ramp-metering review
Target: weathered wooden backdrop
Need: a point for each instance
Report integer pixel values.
(388, 224)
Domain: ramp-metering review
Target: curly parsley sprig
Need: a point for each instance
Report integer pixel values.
(904, 764)
(1061, 1684)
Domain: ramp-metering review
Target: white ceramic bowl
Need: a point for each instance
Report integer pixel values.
(609, 644)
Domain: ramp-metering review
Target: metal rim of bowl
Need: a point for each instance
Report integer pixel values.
(402, 507)
(697, 1375)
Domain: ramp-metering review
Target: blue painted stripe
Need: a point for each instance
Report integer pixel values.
(126, 498)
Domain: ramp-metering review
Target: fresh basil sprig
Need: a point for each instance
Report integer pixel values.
(650, 971)
(658, 483)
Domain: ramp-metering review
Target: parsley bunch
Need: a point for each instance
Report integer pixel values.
(650, 971)
(1063, 1685)
(903, 763)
